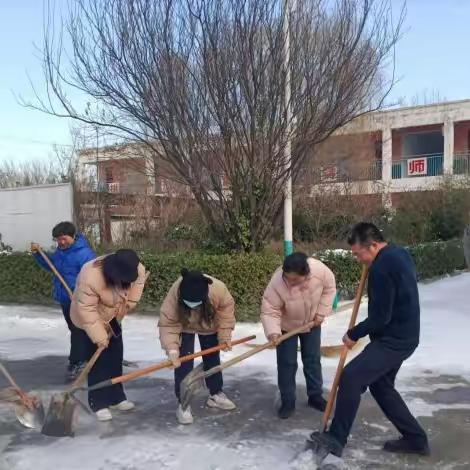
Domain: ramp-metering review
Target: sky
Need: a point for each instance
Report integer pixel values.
(431, 58)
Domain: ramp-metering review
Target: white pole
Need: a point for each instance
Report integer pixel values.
(288, 235)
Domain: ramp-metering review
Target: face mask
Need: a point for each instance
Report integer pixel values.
(192, 304)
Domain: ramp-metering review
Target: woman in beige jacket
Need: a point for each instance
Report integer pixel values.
(300, 292)
(107, 289)
(197, 304)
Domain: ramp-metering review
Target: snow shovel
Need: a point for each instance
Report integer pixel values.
(195, 380)
(344, 352)
(162, 365)
(59, 418)
(28, 408)
(311, 443)
(54, 270)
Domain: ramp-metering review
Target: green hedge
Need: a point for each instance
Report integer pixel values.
(438, 258)
(22, 280)
(246, 275)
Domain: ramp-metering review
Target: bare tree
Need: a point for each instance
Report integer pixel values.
(201, 84)
(425, 97)
(30, 173)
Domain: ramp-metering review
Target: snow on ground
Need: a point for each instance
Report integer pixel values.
(252, 438)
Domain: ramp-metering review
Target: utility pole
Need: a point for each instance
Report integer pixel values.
(288, 232)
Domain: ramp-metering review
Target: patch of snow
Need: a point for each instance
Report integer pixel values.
(304, 461)
(148, 451)
(420, 407)
(377, 426)
(336, 252)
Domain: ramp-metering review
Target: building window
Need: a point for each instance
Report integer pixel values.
(109, 174)
(423, 143)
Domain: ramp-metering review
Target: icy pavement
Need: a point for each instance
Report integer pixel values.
(435, 382)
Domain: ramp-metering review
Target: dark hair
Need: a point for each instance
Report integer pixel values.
(365, 233)
(296, 263)
(64, 228)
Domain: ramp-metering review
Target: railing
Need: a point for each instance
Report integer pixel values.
(344, 172)
(462, 164)
(115, 188)
(418, 165)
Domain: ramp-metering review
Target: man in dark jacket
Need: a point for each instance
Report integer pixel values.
(73, 251)
(393, 328)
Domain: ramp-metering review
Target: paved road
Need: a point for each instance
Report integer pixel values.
(254, 424)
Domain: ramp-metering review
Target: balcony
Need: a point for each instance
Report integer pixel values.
(462, 164)
(339, 172)
(116, 188)
(410, 173)
(418, 165)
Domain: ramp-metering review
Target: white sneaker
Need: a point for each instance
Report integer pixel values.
(104, 415)
(125, 405)
(184, 416)
(220, 401)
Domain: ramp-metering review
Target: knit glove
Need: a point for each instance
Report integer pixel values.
(174, 357)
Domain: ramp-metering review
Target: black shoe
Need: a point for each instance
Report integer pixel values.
(75, 370)
(405, 446)
(317, 402)
(323, 443)
(286, 410)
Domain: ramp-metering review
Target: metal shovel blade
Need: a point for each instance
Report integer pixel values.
(32, 418)
(60, 416)
(192, 384)
(30, 414)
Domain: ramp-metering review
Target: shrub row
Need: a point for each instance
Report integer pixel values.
(246, 275)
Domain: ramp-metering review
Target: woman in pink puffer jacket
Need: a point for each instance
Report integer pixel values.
(301, 291)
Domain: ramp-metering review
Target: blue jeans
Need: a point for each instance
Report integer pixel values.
(214, 382)
(287, 364)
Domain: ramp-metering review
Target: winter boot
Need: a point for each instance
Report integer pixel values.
(184, 416)
(406, 446)
(323, 443)
(124, 405)
(317, 402)
(220, 400)
(286, 410)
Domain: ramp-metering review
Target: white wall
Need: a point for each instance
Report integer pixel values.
(29, 213)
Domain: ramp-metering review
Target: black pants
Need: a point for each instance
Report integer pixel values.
(79, 342)
(376, 367)
(215, 382)
(108, 365)
(287, 364)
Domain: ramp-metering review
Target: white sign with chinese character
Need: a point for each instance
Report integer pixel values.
(417, 166)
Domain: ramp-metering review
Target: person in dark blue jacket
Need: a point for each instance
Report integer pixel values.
(72, 252)
(393, 326)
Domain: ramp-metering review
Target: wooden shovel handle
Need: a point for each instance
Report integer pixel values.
(86, 370)
(54, 270)
(162, 365)
(28, 401)
(262, 347)
(344, 351)
(10, 378)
